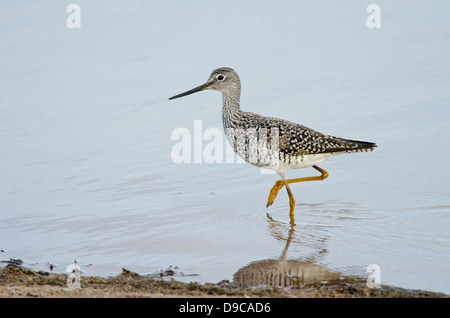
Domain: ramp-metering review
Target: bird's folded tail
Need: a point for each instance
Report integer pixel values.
(347, 145)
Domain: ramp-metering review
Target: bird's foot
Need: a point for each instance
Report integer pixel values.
(274, 192)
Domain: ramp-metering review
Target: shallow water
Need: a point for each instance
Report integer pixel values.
(85, 134)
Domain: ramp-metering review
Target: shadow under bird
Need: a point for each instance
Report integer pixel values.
(276, 144)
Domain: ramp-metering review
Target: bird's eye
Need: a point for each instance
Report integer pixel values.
(220, 77)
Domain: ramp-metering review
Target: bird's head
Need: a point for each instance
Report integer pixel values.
(223, 79)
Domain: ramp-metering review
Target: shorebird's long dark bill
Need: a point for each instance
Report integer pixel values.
(192, 91)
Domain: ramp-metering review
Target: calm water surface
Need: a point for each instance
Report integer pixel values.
(85, 134)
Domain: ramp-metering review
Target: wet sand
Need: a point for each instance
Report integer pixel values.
(20, 282)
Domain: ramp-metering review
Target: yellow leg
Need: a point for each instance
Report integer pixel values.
(274, 192)
(280, 183)
(291, 198)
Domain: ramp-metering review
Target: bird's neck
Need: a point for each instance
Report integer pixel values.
(230, 107)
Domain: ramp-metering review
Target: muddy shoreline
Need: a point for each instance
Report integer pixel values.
(20, 282)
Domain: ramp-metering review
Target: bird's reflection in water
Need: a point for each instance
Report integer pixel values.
(283, 272)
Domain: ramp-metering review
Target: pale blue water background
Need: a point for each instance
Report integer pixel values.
(85, 128)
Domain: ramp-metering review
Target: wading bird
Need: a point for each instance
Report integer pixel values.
(280, 145)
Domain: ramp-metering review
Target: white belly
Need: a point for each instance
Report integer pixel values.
(302, 162)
